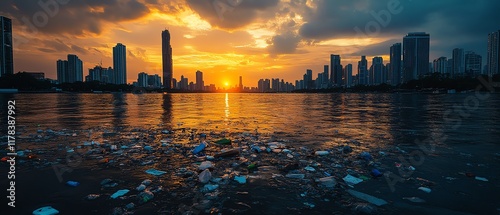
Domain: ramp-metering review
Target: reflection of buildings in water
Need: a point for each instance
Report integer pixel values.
(119, 109)
(69, 110)
(167, 110)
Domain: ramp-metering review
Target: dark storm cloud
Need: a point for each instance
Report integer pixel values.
(73, 17)
(451, 23)
(335, 19)
(223, 14)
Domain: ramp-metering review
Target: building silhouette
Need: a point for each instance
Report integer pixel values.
(336, 70)
(348, 75)
(473, 64)
(458, 59)
(363, 75)
(241, 83)
(6, 47)
(120, 63)
(395, 64)
(440, 65)
(167, 63)
(70, 71)
(415, 55)
(103, 75)
(377, 71)
(493, 57)
(199, 81)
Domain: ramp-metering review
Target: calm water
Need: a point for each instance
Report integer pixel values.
(313, 119)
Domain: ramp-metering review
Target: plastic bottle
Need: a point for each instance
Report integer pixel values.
(72, 183)
(200, 147)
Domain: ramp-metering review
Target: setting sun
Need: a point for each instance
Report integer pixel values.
(226, 84)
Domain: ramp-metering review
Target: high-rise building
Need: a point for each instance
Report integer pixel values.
(458, 57)
(415, 55)
(120, 63)
(376, 71)
(325, 73)
(473, 64)
(6, 47)
(199, 81)
(449, 67)
(167, 63)
(363, 71)
(62, 71)
(395, 64)
(104, 75)
(73, 71)
(440, 65)
(275, 84)
(241, 83)
(183, 84)
(336, 70)
(142, 79)
(493, 58)
(308, 81)
(348, 75)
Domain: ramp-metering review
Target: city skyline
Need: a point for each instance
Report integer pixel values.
(282, 44)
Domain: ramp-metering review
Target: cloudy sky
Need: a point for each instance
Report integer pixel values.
(228, 38)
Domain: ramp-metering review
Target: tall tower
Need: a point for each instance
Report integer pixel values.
(458, 66)
(75, 69)
(493, 58)
(120, 63)
(363, 71)
(415, 55)
(241, 83)
(336, 70)
(199, 81)
(395, 64)
(6, 48)
(166, 50)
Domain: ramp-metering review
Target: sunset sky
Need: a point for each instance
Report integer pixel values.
(228, 38)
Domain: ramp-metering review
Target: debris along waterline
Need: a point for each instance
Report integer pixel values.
(168, 160)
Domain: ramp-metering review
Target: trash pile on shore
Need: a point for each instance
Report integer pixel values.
(190, 171)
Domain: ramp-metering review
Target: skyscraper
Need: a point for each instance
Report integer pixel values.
(336, 70)
(348, 75)
(493, 58)
(142, 79)
(6, 47)
(75, 69)
(395, 64)
(440, 65)
(376, 71)
(62, 71)
(241, 83)
(166, 50)
(363, 71)
(473, 64)
(199, 81)
(458, 66)
(415, 55)
(325, 74)
(120, 63)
